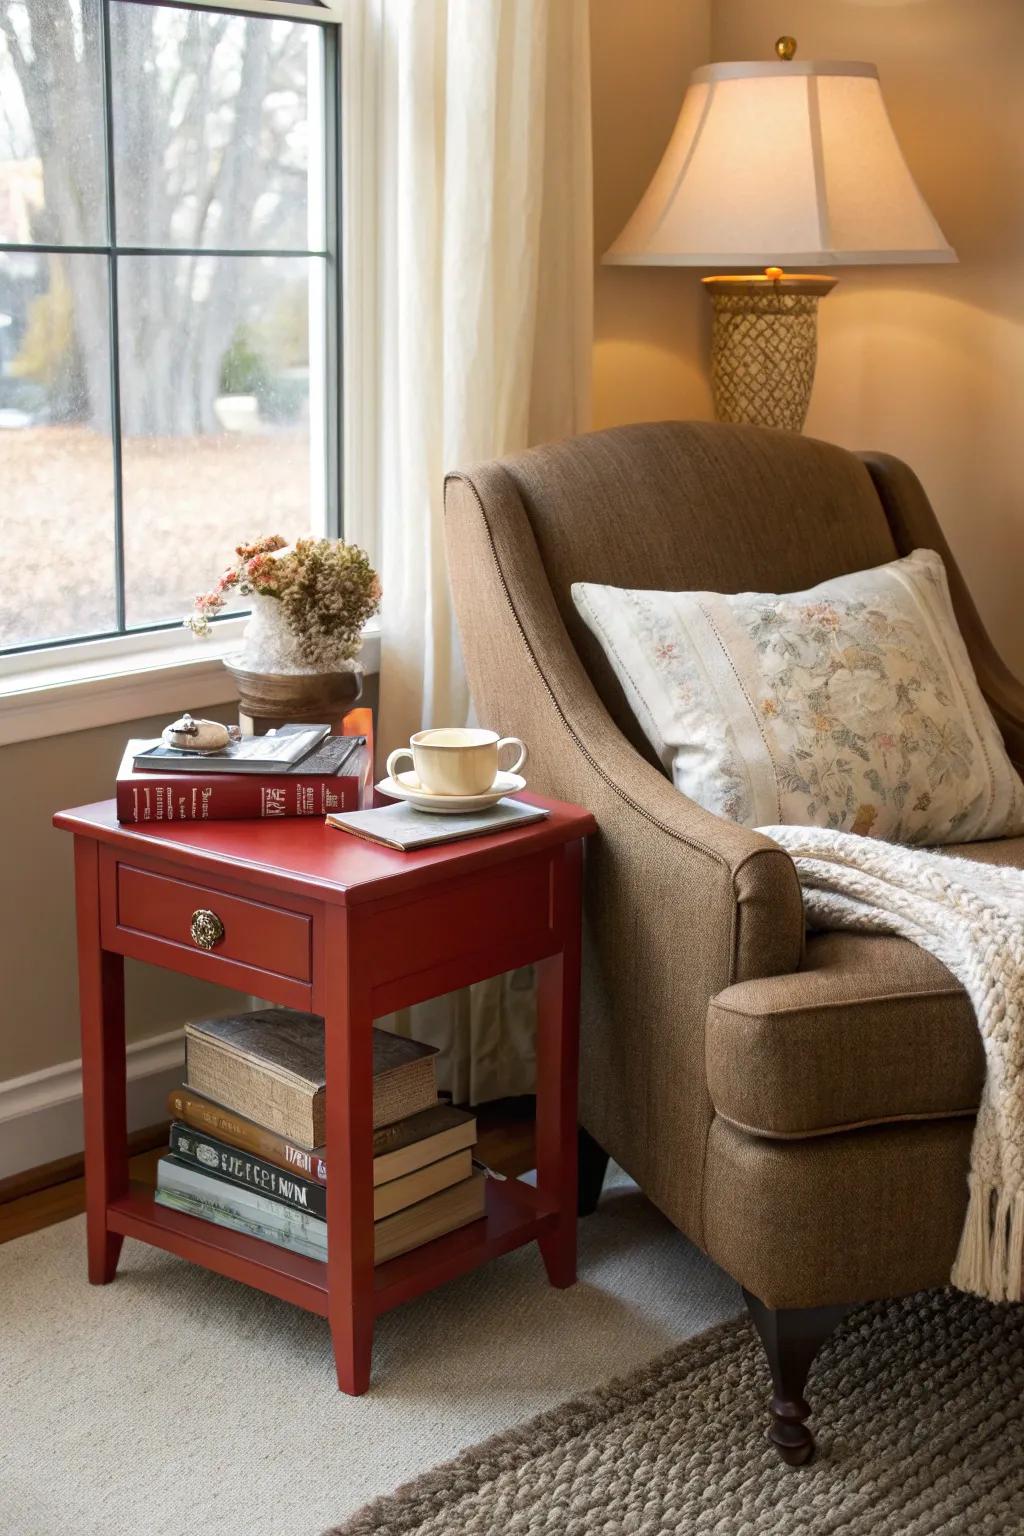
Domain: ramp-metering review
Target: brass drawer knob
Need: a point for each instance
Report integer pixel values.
(207, 928)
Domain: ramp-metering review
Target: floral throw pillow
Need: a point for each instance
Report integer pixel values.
(852, 705)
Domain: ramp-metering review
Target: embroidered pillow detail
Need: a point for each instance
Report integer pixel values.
(852, 705)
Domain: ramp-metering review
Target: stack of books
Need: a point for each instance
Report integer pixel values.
(295, 772)
(248, 1130)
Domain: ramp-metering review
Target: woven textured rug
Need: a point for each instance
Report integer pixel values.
(919, 1412)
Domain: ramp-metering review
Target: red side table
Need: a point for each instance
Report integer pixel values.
(315, 919)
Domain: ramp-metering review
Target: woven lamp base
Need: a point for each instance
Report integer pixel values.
(764, 346)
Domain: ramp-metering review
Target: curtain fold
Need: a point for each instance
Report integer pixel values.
(482, 298)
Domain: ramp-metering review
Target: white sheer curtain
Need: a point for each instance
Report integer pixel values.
(468, 337)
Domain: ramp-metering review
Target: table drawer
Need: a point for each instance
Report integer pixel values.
(248, 933)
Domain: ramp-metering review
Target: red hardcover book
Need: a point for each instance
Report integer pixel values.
(238, 796)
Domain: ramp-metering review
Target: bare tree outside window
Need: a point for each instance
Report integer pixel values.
(163, 178)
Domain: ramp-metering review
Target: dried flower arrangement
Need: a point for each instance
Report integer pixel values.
(321, 592)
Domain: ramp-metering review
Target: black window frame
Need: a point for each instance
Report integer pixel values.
(111, 250)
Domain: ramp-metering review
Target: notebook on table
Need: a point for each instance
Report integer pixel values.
(405, 828)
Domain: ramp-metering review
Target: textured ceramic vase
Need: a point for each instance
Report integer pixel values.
(269, 644)
(278, 685)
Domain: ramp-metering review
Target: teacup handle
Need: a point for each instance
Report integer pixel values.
(396, 757)
(512, 741)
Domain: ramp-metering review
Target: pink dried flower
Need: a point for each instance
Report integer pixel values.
(263, 546)
(209, 602)
(328, 590)
(263, 572)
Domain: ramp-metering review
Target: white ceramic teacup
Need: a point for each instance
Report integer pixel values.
(456, 760)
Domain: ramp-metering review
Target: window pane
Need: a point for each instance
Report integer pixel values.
(51, 123)
(56, 464)
(216, 401)
(218, 130)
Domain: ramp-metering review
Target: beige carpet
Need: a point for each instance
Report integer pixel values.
(176, 1403)
(922, 1432)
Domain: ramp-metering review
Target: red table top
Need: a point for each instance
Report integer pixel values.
(306, 856)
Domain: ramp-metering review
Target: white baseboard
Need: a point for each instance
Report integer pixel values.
(41, 1114)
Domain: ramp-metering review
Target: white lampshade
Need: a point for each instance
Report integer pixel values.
(782, 163)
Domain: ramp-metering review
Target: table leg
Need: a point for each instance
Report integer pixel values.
(101, 1005)
(558, 1008)
(349, 1071)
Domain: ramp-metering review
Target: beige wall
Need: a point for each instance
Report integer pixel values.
(650, 323)
(928, 362)
(37, 914)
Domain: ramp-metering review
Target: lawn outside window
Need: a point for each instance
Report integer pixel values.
(169, 318)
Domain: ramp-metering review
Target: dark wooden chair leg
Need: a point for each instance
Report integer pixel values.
(593, 1165)
(792, 1337)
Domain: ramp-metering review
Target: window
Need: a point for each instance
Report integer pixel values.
(169, 304)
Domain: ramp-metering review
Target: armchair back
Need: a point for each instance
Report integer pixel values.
(694, 505)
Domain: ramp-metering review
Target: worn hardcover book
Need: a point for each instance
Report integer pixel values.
(414, 1188)
(269, 1067)
(216, 1157)
(204, 1114)
(398, 1148)
(408, 1144)
(334, 777)
(405, 828)
(429, 1219)
(276, 752)
(202, 1194)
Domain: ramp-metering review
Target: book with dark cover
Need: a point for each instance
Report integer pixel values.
(398, 1148)
(216, 1157)
(225, 1162)
(242, 1210)
(275, 752)
(334, 777)
(405, 828)
(269, 1066)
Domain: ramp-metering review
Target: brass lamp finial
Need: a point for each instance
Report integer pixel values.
(785, 47)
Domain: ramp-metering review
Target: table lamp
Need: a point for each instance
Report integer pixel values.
(769, 164)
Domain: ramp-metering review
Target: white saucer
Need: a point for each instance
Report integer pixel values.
(406, 786)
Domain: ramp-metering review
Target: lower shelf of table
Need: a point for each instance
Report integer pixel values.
(515, 1215)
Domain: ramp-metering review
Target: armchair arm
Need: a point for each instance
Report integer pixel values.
(679, 903)
(915, 526)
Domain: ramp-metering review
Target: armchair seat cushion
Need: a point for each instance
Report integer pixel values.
(870, 1030)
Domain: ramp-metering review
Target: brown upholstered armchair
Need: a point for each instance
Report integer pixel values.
(801, 1109)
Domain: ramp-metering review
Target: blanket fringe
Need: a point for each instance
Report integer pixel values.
(990, 1261)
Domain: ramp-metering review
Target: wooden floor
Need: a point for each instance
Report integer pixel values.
(505, 1144)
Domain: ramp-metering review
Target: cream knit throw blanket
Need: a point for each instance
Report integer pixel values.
(971, 917)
